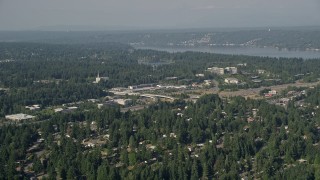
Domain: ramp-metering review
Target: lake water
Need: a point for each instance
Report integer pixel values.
(250, 51)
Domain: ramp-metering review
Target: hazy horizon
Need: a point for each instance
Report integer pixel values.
(149, 14)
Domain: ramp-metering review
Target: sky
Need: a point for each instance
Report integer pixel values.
(157, 14)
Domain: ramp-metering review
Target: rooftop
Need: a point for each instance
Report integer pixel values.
(19, 117)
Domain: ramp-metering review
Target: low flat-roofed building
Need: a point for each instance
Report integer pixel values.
(65, 110)
(231, 70)
(273, 92)
(19, 117)
(33, 107)
(231, 80)
(242, 64)
(171, 78)
(99, 79)
(141, 86)
(216, 70)
(119, 89)
(199, 75)
(58, 109)
(123, 102)
(207, 82)
(4, 89)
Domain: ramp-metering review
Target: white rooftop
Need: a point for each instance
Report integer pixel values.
(19, 117)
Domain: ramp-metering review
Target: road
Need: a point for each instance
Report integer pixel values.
(255, 92)
(133, 108)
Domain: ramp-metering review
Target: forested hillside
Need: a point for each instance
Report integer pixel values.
(80, 132)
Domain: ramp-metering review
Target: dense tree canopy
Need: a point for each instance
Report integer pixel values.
(213, 138)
